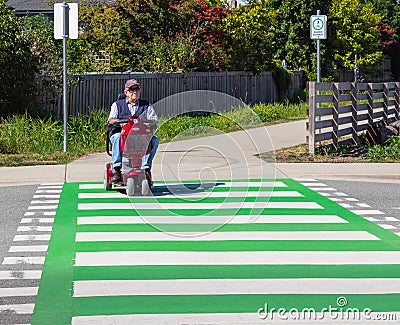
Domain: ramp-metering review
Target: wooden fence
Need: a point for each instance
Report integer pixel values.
(339, 112)
(98, 91)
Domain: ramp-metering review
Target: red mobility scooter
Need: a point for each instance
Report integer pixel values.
(135, 143)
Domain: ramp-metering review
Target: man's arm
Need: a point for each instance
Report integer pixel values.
(113, 114)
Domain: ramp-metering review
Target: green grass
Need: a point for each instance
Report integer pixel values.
(25, 140)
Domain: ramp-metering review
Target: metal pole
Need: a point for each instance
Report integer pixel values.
(318, 55)
(318, 117)
(355, 68)
(65, 84)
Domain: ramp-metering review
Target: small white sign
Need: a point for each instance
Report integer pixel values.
(72, 20)
(318, 27)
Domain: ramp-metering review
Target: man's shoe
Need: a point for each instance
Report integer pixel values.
(117, 177)
(147, 173)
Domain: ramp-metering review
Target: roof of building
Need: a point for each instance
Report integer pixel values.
(28, 5)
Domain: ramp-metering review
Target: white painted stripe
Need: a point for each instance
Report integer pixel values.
(363, 205)
(300, 180)
(95, 288)
(313, 184)
(325, 194)
(323, 189)
(39, 213)
(12, 275)
(17, 309)
(30, 248)
(364, 212)
(31, 237)
(209, 184)
(171, 319)
(346, 205)
(35, 220)
(229, 318)
(47, 196)
(49, 191)
(24, 260)
(42, 207)
(385, 226)
(195, 195)
(18, 292)
(351, 199)
(371, 219)
(34, 228)
(238, 219)
(194, 205)
(236, 258)
(340, 194)
(50, 186)
(391, 219)
(223, 235)
(45, 201)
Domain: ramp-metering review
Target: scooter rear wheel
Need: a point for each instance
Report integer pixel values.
(107, 186)
(145, 187)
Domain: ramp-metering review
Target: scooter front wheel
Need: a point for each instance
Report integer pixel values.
(130, 186)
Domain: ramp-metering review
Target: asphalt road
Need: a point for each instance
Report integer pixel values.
(384, 197)
(14, 202)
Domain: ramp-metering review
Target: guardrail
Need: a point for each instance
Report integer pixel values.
(339, 112)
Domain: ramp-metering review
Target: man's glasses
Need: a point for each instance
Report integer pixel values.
(134, 89)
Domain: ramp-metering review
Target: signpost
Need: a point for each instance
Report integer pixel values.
(318, 32)
(65, 26)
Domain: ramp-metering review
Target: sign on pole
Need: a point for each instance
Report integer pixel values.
(65, 26)
(318, 27)
(72, 20)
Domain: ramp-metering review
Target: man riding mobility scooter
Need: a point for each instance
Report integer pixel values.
(130, 129)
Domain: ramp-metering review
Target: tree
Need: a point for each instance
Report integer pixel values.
(292, 41)
(250, 30)
(17, 65)
(354, 32)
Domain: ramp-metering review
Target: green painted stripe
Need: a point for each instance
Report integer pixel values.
(54, 304)
(156, 200)
(217, 227)
(235, 246)
(225, 303)
(234, 272)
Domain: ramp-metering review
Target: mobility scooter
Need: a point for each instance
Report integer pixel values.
(135, 143)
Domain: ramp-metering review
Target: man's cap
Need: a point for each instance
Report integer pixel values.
(132, 83)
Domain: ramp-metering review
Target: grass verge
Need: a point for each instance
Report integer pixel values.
(25, 140)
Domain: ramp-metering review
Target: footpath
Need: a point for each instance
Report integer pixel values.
(224, 156)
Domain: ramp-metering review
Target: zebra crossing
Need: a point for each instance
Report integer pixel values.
(21, 269)
(212, 252)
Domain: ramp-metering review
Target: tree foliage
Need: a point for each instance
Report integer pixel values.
(17, 64)
(250, 30)
(354, 32)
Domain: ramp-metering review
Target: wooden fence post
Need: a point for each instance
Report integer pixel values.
(385, 101)
(370, 89)
(397, 99)
(335, 116)
(311, 116)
